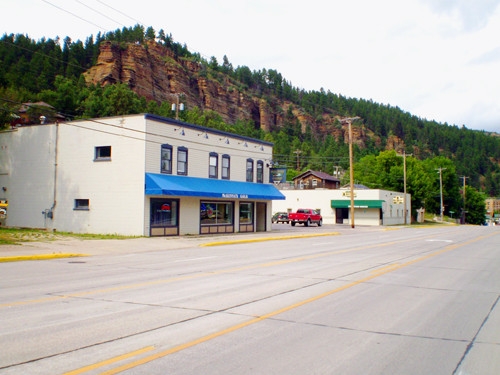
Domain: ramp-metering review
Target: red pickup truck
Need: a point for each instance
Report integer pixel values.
(305, 216)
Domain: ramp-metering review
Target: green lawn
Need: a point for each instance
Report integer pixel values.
(12, 236)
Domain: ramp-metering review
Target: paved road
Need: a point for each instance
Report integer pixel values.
(349, 301)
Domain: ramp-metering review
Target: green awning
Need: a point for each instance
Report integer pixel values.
(358, 203)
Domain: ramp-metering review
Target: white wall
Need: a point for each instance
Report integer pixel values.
(199, 148)
(321, 199)
(27, 161)
(115, 188)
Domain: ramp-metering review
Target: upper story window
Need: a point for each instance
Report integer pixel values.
(166, 159)
(102, 153)
(225, 167)
(182, 161)
(213, 165)
(260, 171)
(249, 170)
(314, 182)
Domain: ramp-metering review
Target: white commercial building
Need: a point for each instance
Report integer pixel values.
(141, 175)
(371, 206)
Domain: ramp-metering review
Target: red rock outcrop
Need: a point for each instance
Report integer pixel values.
(154, 72)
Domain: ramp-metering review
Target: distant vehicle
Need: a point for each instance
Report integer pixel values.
(306, 216)
(280, 217)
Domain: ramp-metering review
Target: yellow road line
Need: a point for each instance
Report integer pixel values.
(261, 239)
(109, 361)
(198, 275)
(373, 275)
(18, 258)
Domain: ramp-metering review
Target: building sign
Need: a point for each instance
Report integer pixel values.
(347, 193)
(277, 175)
(397, 200)
(234, 195)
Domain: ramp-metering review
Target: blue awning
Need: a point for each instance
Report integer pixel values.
(163, 184)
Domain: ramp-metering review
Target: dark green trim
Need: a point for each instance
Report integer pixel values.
(358, 203)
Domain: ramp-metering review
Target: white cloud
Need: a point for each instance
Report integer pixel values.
(437, 59)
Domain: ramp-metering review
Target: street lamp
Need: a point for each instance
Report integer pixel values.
(349, 120)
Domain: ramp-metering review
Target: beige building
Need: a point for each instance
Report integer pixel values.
(141, 175)
(492, 206)
(493, 210)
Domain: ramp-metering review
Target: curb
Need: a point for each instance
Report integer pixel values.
(20, 258)
(261, 239)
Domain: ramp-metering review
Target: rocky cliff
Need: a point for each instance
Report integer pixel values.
(154, 72)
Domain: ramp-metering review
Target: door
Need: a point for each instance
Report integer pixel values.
(340, 215)
(261, 216)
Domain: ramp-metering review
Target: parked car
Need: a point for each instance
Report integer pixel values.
(306, 216)
(280, 217)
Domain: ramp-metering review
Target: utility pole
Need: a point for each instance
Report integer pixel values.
(441, 189)
(349, 120)
(177, 106)
(298, 152)
(405, 210)
(462, 219)
(336, 171)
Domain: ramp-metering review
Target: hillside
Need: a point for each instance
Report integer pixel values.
(261, 103)
(155, 73)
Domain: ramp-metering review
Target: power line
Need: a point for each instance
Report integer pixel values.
(100, 13)
(116, 10)
(141, 132)
(75, 15)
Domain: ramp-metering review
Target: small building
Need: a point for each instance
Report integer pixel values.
(492, 206)
(140, 175)
(316, 180)
(36, 113)
(371, 206)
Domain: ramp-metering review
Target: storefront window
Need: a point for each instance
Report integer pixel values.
(246, 213)
(216, 213)
(164, 212)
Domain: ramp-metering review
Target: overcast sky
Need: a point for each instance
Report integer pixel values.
(437, 59)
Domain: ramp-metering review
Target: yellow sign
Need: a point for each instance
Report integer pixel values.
(4, 203)
(348, 194)
(397, 200)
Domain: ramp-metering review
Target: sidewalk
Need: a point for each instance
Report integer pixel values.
(72, 247)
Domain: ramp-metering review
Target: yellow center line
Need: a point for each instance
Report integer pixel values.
(373, 275)
(109, 361)
(191, 277)
(195, 276)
